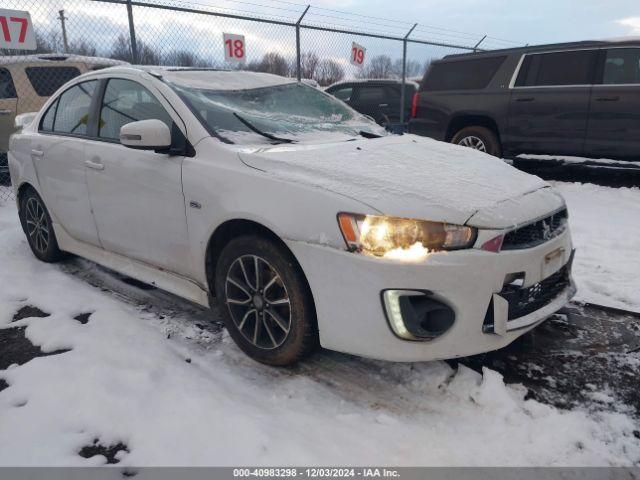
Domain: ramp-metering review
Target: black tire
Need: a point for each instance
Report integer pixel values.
(262, 334)
(38, 227)
(468, 136)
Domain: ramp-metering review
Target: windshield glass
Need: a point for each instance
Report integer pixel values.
(294, 111)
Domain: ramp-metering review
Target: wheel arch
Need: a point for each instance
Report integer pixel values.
(234, 228)
(460, 121)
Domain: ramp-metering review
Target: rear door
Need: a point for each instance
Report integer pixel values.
(614, 120)
(8, 109)
(377, 101)
(549, 104)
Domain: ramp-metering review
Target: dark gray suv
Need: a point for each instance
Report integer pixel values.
(579, 99)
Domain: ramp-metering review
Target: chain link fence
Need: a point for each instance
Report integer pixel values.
(284, 38)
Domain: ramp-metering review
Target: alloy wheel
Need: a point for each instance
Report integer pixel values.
(38, 227)
(258, 302)
(471, 141)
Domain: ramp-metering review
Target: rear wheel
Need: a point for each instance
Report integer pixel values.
(266, 303)
(478, 138)
(38, 227)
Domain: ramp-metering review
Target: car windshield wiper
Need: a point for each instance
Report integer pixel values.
(255, 129)
(366, 134)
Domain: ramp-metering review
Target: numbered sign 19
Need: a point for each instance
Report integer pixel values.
(234, 47)
(16, 30)
(357, 54)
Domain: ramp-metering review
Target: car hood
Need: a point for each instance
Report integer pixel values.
(406, 176)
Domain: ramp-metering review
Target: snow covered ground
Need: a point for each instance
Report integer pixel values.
(164, 380)
(606, 234)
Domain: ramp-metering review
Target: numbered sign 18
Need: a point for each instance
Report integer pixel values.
(357, 54)
(234, 47)
(16, 30)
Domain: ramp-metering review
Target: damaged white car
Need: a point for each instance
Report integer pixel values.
(310, 224)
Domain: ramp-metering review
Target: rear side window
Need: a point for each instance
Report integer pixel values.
(371, 94)
(343, 94)
(557, 69)
(46, 124)
(621, 66)
(46, 80)
(472, 74)
(72, 112)
(7, 89)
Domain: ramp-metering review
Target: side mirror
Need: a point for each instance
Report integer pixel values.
(146, 135)
(24, 119)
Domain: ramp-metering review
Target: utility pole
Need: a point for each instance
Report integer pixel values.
(64, 31)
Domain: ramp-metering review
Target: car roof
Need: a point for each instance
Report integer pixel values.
(209, 78)
(58, 58)
(615, 42)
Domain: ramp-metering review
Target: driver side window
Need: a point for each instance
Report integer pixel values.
(126, 101)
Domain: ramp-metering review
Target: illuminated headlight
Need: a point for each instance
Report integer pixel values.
(402, 238)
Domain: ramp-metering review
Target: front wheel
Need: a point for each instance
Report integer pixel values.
(265, 300)
(478, 138)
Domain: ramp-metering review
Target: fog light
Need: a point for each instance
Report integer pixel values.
(416, 315)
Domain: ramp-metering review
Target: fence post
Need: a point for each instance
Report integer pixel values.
(475, 49)
(403, 92)
(298, 54)
(132, 34)
(65, 42)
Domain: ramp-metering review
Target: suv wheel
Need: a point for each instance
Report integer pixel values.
(478, 138)
(38, 227)
(265, 301)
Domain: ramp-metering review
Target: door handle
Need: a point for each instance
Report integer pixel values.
(94, 165)
(37, 153)
(607, 99)
(383, 105)
(525, 99)
(6, 111)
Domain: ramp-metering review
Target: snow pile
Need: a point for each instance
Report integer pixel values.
(606, 232)
(197, 400)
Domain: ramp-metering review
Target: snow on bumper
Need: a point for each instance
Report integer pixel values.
(347, 290)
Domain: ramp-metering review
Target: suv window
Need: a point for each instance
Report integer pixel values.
(7, 89)
(475, 73)
(124, 102)
(557, 69)
(46, 80)
(72, 112)
(622, 66)
(371, 94)
(343, 93)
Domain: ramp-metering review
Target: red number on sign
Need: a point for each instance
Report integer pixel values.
(23, 27)
(358, 55)
(235, 47)
(5, 28)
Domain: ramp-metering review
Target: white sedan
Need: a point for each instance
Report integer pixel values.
(310, 224)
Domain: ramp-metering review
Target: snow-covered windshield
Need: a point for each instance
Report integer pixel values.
(295, 111)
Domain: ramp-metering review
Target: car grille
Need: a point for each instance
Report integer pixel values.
(523, 301)
(536, 233)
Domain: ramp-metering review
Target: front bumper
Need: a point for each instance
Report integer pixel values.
(351, 318)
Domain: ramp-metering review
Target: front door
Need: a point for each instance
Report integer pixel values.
(549, 104)
(136, 195)
(59, 154)
(614, 119)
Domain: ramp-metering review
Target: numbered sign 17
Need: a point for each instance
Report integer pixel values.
(357, 54)
(234, 47)
(16, 30)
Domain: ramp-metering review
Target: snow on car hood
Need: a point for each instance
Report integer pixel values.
(407, 176)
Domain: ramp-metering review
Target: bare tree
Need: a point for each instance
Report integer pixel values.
(308, 65)
(121, 50)
(271, 62)
(379, 67)
(328, 71)
(185, 58)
